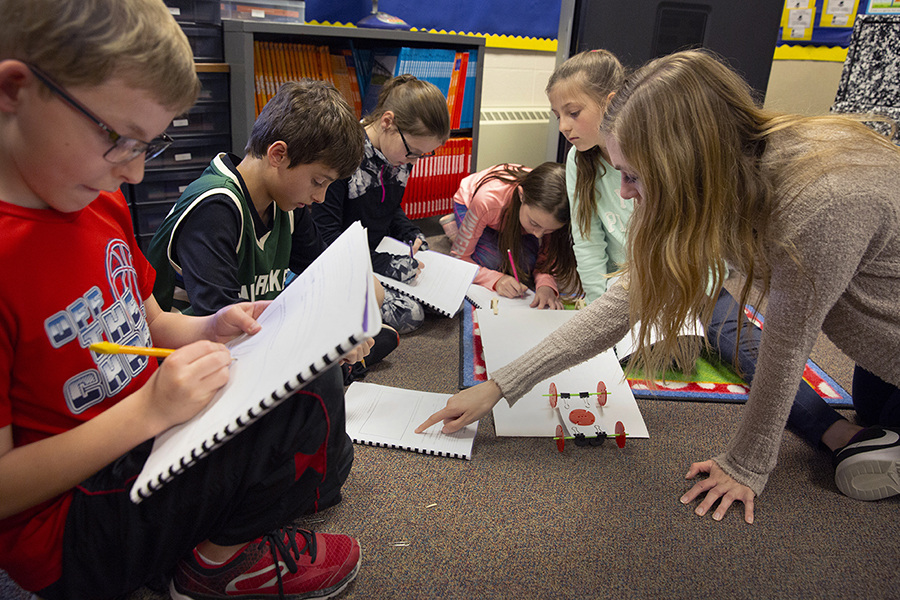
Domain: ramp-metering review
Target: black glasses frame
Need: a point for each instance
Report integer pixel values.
(124, 149)
(410, 153)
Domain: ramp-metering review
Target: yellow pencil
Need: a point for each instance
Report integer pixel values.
(110, 348)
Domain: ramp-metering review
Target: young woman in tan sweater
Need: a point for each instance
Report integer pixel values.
(806, 208)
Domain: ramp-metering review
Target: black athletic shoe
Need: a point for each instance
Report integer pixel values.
(868, 468)
(386, 341)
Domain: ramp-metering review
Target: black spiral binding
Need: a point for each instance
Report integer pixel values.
(411, 449)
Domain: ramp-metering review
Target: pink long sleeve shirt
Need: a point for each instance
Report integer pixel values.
(485, 210)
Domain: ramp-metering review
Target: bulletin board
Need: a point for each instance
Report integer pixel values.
(506, 23)
(821, 29)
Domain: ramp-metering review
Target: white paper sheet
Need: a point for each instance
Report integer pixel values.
(306, 329)
(481, 297)
(513, 332)
(443, 282)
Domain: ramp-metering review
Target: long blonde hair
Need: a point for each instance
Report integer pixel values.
(690, 129)
(596, 73)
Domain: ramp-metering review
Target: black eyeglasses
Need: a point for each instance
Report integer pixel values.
(124, 149)
(410, 153)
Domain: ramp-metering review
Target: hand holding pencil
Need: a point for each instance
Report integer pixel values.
(510, 287)
(191, 375)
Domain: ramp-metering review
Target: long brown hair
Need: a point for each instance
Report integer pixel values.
(690, 129)
(544, 188)
(419, 107)
(596, 73)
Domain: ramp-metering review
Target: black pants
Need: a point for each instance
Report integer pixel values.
(292, 461)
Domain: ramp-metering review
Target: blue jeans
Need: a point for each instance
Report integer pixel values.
(487, 251)
(810, 414)
(876, 401)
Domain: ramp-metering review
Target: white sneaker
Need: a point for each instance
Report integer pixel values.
(867, 468)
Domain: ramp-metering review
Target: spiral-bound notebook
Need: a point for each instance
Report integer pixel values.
(326, 311)
(441, 285)
(481, 297)
(378, 415)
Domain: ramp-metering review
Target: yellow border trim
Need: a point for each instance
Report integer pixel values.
(821, 53)
(491, 40)
(329, 24)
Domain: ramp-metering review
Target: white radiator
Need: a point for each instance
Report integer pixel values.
(513, 135)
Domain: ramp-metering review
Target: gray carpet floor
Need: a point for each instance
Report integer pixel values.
(522, 520)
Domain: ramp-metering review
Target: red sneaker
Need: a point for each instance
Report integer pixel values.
(288, 564)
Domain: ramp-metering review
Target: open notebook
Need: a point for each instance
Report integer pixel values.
(326, 311)
(378, 415)
(481, 297)
(441, 285)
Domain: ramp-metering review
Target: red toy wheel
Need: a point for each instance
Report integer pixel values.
(601, 393)
(553, 395)
(620, 434)
(560, 441)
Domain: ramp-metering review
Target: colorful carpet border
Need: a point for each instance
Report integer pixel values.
(473, 371)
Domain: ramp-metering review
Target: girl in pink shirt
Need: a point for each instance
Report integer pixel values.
(513, 209)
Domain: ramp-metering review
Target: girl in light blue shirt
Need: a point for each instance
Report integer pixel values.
(579, 91)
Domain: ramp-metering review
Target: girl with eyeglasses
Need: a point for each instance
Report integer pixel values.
(409, 122)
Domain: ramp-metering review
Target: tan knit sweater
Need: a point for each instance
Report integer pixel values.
(845, 230)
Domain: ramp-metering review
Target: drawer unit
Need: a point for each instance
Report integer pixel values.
(187, 152)
(206, 42)
(195, 11)
(163, 186)
(273, 11)
(148, 217)
(213, 87)
(199, 134)
(202, 119)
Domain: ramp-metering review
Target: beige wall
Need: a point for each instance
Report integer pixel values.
(517, 78)
(805, 87)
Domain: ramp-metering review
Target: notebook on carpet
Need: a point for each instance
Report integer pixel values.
(384, 416)
(441, 285)
(712, 381)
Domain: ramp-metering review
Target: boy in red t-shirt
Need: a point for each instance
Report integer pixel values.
(86, 92)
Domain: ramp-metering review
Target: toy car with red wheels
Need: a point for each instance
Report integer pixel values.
(579, 418)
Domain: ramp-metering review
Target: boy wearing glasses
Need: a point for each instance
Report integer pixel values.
(409, 122)
(86, 91)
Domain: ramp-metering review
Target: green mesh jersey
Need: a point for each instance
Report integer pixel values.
(262, 263)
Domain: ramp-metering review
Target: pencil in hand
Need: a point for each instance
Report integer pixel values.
(512, 263)
(111, 348)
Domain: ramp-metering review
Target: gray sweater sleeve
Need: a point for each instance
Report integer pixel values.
(589, 332)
